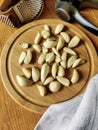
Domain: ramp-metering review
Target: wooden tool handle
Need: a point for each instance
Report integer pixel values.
(6, 4)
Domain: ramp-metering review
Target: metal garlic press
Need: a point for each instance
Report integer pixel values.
(18, 12)
(69, 9)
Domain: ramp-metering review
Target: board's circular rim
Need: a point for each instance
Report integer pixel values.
(11, 90)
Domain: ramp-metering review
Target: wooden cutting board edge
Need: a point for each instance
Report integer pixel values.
(19, 99)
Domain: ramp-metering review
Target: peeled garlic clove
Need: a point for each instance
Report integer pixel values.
(70, 51)
(64, 81)
(57, 59)
(59, 28)
(37, 47)
(48, 80)
(64, 56)
(65, 36)
(45, 34)
(83, 61)
(75, 76)
(24, 45)
(61, 71)
(42, 58)
(71, 61)
(54, 69)
(74, 42)
(63, 63)
(22, 81)
(49, 44)
(42, 90)
(44, 71)
(27, 72)
(35, 74)
(22, 57)
(51, 39)
(54, 86)
(50, 57)
(44, 49)
(37, 38)
(78, 62)
(47, 28)
(60, 43)
(56, 52)
(28, 57)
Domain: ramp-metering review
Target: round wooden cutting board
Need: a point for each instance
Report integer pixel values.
(29, 97)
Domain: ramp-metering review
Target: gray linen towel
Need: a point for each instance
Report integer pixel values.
(79, 113)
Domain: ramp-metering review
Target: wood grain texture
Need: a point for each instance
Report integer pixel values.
(29, 97)
(13, 116)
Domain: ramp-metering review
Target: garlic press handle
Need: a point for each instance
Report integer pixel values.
(88, 3)
(66, 11)
(6, 4)
(85, 3)
(89, 26)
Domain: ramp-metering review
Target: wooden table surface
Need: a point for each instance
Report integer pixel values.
(13, 116)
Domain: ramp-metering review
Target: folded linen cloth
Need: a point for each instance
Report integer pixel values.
(79, 113)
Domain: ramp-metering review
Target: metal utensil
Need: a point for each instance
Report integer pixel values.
(68, 9)
(20, 12)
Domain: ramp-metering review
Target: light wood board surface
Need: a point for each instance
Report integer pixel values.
(13, 116)
(29, 97)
